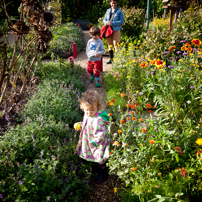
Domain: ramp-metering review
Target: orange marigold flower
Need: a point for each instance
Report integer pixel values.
(196, 42)
(148, 106)
(111, 103)
(123, 94)
(136, 104)
(113, 100)
(143, 64)
(133, 118)
(128, 105)
(134, 168)
(108, 104)
(119, 131)
(149, 111)
(132, 106)
(116, 143)
(140, 120)
(188, 49)
(110, 114)
(128, 118)
(152, 62)
(119, 110)
(187, 44)
(149, 124)
(132, 112)
(172, 48)
(144, 130)
(121, 121)
(151, 141)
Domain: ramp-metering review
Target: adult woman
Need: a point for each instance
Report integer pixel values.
(116, 22)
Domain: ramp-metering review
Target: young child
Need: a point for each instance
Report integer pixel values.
(94, 140)
(94, 50)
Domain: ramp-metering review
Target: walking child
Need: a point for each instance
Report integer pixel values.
(94, 140)
(94, 50)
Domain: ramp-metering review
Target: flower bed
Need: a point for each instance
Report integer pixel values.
(158, 158)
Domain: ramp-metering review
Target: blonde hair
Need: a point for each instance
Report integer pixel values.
(92, 98)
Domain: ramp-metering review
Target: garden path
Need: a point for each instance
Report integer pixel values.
(82, 60)
(104, 191)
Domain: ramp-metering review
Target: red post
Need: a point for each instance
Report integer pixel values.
(74, 50)
(90, 26)
(71, 59)
(101, 64)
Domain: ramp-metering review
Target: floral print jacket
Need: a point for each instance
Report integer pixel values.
(94, 140)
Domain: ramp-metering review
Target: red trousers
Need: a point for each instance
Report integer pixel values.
(94, 67)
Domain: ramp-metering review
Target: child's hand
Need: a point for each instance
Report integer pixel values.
(97, 55)
(77, 126)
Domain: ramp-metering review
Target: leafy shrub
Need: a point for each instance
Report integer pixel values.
(145, 152)
(63, 38)
(37, 163)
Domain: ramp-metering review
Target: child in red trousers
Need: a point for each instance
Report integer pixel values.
(94, 50)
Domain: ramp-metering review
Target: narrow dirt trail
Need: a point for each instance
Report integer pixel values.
(82, 60)
(103, 192)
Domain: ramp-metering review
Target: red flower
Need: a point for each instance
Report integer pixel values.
(113, 100)
(196, 42)
(148, 106)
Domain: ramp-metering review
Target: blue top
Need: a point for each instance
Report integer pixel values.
(94, 47)
(117, 20)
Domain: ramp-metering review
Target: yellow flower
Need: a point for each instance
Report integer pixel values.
(199, 141)
(128, 77)
(77, 126)
(114, 76)
(123, 69)
(115, 190)
(159, 174)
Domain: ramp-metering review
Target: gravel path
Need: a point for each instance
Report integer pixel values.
(103, 192)
(82, 60)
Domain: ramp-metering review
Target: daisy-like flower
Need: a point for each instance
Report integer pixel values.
(134, 168)
(151, 141)
(143, 64)
(132, 112)
(199, 141)
(148, 106)
(160, 63)
(115, 190)
(152, 62)
(110, 114)
(196, 42)
(117, 144)
(172, 48)
(121, 121)
(128, 105)
(144, 130)
(133, 118)
(188, 102)
(113, 100)
(132, 106)
(140, 120)
(119, 131)
(182, 48)
(128, 118)
(123, 94)
(192, 87)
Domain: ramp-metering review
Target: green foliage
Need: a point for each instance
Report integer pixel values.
(37, 158)
(37, 163)
(63, 38)
(57, 96)
(133, 21)
(146, 152)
